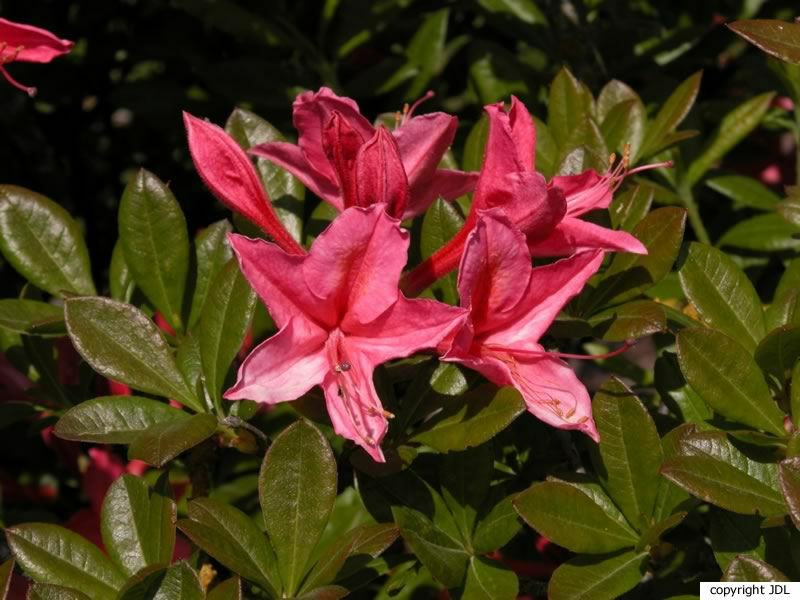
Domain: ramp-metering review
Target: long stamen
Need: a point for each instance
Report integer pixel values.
(409, 112)
(536, 353)
(31, 91)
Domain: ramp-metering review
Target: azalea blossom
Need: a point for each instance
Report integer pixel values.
(338, 150)
(340, 314)
(26, 43)
(545, 211)
(511, 305)
(229, 174)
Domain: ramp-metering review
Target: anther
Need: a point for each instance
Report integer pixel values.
(370, 441)
(342, 367)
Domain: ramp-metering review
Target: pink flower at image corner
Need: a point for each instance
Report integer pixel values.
(338, 149)
(340, 314)
(511, 305)
(26, 43)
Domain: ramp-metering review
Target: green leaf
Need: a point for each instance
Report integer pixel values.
(496, 528)
(789, 209)
(784, 310)
(568, 107)
(445, 558)
(546, 151)
(634, 319)
(285, 191)
(746, 192)
(152, 232)
(675, 392)
(778, 351)
(120, 278)
(734, 126)
(652, 534)
(43, 591)
(625, 126)
(471, 419)
(232, 538)
(32, 317)
(137, 524)
(329, 592)
(728, 379)
(161, 443)
(764, 233)
(441, 222)
(43, 243)
(571, 518)
(671, 114)
(789, 478)
(475, 145)
(778, 38)
(631, 206)
(629, 454)
(177, 581)
(630, 274)
(524, 10)
(613, 94)
(722, 294)
(121, 343)
(712, 468)
(594, 577)
(748, 569)
(114, 419)
(465, 478)
(732, 535)
(230, 589)
(226, 317)
(489, 579)
(211, 253)
(6, 570)
(794, 396)
(426, 51)
(297, 489)
(190, 363)
(54, 555)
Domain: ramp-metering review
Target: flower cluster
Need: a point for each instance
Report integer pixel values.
(339, 306)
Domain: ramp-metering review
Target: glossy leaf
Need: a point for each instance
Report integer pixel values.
(54, 555)
(568, 106)
(746, 192)
(629, 274)
(232, 538)
(778, 38)
(152, 232)
(524, 10)
(789, 478)
(496, 528)
(120, 278)
(677, 394)
(733, 127)
(137, 524)
(6, 570)
(652, 534)
(297, 489)
(43, 591)
(162, 442)
(571, 518)
(472, 419)
(284, 190)
(784, 310)
(732, 535)
(114, 419)
(794, 396)
(32, 316)
(631, 206)
(226, 317)
(789, 209)
(590, 577)
(489, 579)
(713, 469)
(43, 243)
(425, 51)
(629, 454)
(748, 569)
(634, 319)
(671, 114)
(625, 126)
(177, 581)
(722, 294)
(121, 343)
(211, 253)
(441, 222)
(765, 233)
(779, 350)
(475, 145)
(230, 589)
(465, 478)
(728, 379)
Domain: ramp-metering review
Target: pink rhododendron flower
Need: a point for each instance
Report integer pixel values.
(229, 174)
(546, 212)
(346, 161)
(26, 43)
(340, 314)
(511, 305)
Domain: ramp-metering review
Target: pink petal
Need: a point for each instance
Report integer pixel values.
(523, 132)
(584, 192)
(408, 326)
(445, 183)
(285, 366)
(527, 201)
(500, 158)
(495, 270)
(549, 288)
(277, 277)
(379, 174)
(353, 404)
(422, 142)
(311, 111)
(229, 174)
(576, 235)
(355, 264)
(37, 45)
(291, 158)
(341, 144)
